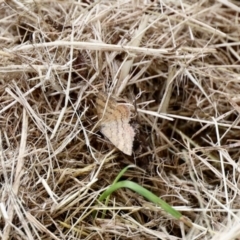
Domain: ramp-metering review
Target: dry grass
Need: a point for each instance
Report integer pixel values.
(177, 59)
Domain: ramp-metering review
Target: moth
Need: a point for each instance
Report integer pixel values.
(114, 120)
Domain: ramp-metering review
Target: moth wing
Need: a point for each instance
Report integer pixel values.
(120, 134)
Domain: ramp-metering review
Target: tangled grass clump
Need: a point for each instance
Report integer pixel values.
(176, 63)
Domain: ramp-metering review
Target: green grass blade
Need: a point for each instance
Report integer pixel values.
(144, 192)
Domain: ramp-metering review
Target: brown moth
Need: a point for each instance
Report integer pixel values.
(114, 122)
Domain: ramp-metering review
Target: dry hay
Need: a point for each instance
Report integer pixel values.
(180, 58)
